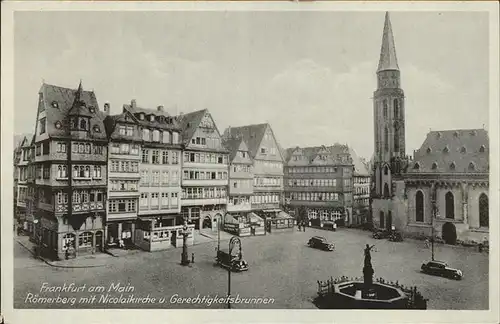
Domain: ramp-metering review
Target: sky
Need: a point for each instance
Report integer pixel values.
(311, 75)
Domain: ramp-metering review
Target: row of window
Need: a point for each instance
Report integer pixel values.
(124, 148)
(324, 214)
(80, 196)
(312, 182)
(124, 166)
(265, 198)
(157, 200)
(124, 185)
(242, 183)
(42, 148)
(205, 158)
(239, 200)
(160, 156)
(79, 172)
(312, 169)
(242, 168)
(361, 190)
(22, 194)
(122, 206)
(271, 151)
(209, 141)
(358, 180)
(204, 193)
(156, 178)
(278, 166)
(267, 181)
(156, 136)
(313, 196)
(204, 175)
(471, 167)
(463, 149)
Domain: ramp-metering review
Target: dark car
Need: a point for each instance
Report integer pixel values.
(319, 242)
(231, 262)
(380, 234)
(440, 268)
(396, 237)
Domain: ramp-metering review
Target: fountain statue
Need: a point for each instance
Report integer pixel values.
(368, 273)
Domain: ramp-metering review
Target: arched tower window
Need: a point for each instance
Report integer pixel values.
(396, 139)
(386, 139)
(83, 124)
(419, 206)
(381, 220)
(396, 108)
(384, 104)
(386, 170)
(386, 190)
(484, 218)
(450, 205)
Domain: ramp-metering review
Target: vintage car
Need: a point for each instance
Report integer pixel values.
(380, 234)
(231, 262)
(440, 268)
(396, 237)
(319, 242)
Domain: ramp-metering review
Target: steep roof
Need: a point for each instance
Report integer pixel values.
(333, 153)
(58, 101)
(234, 145)
(452, 151)
(189, 123)
(162, 120)
(252, 134)
(359, 167)
(388, 59)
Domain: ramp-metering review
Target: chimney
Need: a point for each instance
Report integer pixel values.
(133, 103)
(106, 108)
(160, 108)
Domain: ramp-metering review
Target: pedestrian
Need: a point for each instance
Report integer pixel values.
(192, 257)
(66, 252)
(304, 226)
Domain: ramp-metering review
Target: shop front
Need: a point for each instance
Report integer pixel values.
(326, 217)
(280, 222)
(120, 234)
(244, 224)
(151, 235)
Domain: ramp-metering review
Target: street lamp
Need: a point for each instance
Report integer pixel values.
(232, 242)
(39, 237)
(185, 234)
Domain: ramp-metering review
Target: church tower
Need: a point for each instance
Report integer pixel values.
(388, 113)
(389, 132)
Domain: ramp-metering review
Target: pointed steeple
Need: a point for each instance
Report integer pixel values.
(79, 92)
(388, 59)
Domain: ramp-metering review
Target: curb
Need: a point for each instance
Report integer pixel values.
(57, 265)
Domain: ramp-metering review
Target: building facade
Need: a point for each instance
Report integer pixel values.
(205, 164)
(22, 159)
(390, 161)
(318, 184)
(70, 172)
(361, 190)
(160, 177)
(447, 186)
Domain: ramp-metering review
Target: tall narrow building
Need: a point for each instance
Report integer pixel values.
(389, 126)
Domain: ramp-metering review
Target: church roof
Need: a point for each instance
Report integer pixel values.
(58, 102)
(452, 151)
(388, 59)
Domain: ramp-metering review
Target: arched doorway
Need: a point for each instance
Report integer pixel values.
(419, 206)
(207, 222)
(388, 224)
(450, 205)
(217, 222)
(484, 217)
(381, 220)
(98, 241)
(449, 233)
(386, 190)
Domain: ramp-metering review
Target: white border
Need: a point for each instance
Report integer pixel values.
(261, 316)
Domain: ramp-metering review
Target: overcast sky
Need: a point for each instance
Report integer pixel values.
(311, 75)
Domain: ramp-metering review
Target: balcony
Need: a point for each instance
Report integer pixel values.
(202, 183)
(203, 201)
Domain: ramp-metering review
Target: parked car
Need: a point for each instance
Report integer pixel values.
(319, 242)
(232, 262)
(396, 237)
(380, 234)
(440, 268)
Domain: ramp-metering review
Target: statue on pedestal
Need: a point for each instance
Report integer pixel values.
(368, 271)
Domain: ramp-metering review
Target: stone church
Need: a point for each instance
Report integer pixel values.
(443, 189)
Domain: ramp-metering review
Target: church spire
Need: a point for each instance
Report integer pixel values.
(388, 59)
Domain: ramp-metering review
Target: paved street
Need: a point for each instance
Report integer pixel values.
(281, 267)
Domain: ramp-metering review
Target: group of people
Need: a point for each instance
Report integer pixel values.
(301, 225)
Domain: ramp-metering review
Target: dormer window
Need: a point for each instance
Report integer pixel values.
(463, 150)
(92, 109)
(58, 125)
(429, 150)
(438, 135)
(416, 166)
(473, 133)
(452, 166)
(83, 124)
(152, 118)
(55, 104)
(141, 116)
(482, 149)
(472, 166)
(455, 134)
(446, 149)
(97, 129)
(434, 166)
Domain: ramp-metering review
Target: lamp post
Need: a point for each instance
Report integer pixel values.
(185, 234)
(39, 237)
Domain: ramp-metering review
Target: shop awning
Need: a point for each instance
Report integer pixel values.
(230, 219)
(271, 210)
(254, 218)
(284, 215)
